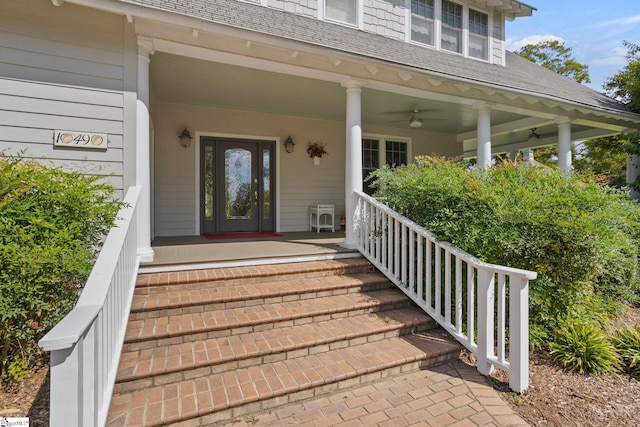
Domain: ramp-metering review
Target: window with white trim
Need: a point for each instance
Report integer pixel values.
(395, 153)
(478, 34)
(422, 21)
(342, 11)
(451, 26)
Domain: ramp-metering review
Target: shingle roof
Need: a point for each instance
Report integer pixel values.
(519, 73)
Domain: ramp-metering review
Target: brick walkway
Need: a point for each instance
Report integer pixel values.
(453, 394)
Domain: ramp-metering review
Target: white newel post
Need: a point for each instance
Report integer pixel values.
(519, 334)
(143, 156)
(486, 288)
(353, 162)
(564, 143)
(484, 135)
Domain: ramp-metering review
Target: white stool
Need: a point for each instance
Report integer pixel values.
(322, 214)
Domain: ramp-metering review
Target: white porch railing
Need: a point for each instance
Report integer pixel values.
(86, 345)
(484, 306)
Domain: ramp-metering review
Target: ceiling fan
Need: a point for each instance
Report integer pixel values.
(533, 134)
(415, 120)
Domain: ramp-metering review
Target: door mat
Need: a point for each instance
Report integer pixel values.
(241, 235)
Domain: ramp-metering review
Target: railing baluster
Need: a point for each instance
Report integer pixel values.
(438, 281)
(429, 281)
(420, 268)
(471, 304)
(501, 316)
(447, 286)
(412, 258)
(458, 295)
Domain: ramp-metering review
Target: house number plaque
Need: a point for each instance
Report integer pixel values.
(85, 140)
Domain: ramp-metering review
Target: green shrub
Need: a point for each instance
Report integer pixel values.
(627, 342)
(583, 347)
(580, 238)
(51, 224)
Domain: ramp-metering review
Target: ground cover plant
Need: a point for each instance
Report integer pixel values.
(51, 224)
(580, 237)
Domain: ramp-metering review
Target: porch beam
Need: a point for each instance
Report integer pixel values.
(143, 151)
(353, 163)
(564, 143)
(524, 144)
(528, 123)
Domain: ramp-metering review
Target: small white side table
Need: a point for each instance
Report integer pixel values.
(323, 217)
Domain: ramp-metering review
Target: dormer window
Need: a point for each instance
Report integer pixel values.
(451, 26)
(422, 21)
(345, 11)
(478, 34)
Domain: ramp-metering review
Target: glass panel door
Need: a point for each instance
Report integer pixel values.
(239, 187)
(236, 181)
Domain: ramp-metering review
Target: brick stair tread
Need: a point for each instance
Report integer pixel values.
(200, 396)
(310, 268)
(228, 291)
(202, 322)
(146, 363)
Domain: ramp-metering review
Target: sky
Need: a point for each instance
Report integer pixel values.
(594, 29)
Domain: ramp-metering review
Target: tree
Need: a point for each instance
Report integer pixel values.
(606, 158)
(555, 56)
(625, 86)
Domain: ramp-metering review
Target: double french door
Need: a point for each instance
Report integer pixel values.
(236, 185)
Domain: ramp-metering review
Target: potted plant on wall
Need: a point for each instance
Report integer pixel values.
(316, 150)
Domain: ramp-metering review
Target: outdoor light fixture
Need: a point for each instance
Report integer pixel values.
(289, 145)
(185, 138)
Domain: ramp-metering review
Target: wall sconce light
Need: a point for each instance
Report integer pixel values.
(185, 138)
(289, 145)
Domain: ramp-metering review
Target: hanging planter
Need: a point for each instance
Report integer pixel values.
(316, 151)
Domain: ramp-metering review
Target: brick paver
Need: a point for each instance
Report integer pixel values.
(380, 411)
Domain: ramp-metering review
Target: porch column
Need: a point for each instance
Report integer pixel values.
(633, 172)
(484, 135)
(564, 143)
(143, 157)
(353, 163)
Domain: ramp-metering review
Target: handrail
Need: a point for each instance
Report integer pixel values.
(484, 306)
(86, 344)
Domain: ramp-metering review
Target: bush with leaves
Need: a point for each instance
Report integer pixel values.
(580, 238)
(51, 224)
(627, 342)
(583, 347)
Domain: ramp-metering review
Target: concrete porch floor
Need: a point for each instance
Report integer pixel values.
(197, 252)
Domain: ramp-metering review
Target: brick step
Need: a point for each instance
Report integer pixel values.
(258, 388)
(156, 366)
(257, 274)
(210, 296)
(167, 330)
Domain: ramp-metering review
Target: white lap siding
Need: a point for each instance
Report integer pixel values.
(63, 68)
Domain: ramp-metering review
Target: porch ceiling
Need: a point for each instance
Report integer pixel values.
(188, 80)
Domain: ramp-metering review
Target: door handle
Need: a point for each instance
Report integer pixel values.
(255, 195)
